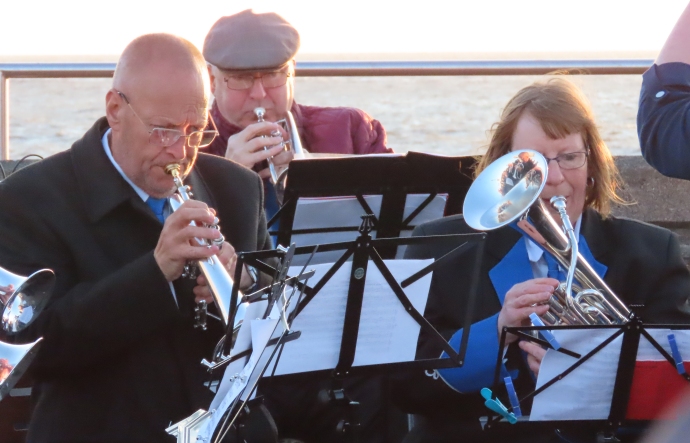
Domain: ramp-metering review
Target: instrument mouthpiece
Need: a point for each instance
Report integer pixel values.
(260, 112)
(558, 202)
(172, 169)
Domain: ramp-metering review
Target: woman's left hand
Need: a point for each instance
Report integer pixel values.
(535, 354)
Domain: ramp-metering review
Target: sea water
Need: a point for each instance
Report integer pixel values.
(448, 115)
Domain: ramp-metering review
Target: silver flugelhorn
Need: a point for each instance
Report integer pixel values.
(508, 191)
(219, 281)
(279, 180)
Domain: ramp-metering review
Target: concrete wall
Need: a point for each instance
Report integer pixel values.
(655, 199)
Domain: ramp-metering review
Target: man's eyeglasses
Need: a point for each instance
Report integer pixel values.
(267, 79)
(164, 137)
(570, 160)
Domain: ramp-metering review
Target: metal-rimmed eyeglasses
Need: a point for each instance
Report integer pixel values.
(570, 160)
(246, 81)
(164, 137)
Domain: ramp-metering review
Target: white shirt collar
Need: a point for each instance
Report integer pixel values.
(534, 252)
(106, 146)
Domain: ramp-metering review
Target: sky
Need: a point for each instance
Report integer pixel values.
(88, 27)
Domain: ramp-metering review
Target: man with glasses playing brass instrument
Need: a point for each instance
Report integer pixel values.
(121, 355)
(251, 62)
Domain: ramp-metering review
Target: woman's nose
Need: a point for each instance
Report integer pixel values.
(555, 174)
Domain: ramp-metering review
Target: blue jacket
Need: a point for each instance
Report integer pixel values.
(663, 118)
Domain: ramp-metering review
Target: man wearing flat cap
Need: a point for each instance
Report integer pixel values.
(251, 62)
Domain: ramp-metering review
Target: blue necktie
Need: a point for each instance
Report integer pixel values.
(554, 271)
(158, 206)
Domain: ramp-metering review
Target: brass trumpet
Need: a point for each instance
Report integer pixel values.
(279, 180)
(219, 281)
(260, 112)
(508, 191)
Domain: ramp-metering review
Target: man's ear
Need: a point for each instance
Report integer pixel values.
(113, 106)
(212, 79)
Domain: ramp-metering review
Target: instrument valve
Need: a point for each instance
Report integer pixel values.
(219, 241)
(200, 313)
(190, 270)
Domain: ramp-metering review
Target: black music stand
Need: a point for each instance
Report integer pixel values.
(250, 415)
(394, 177)
(631, 332)
(363, 250)
(271, 262)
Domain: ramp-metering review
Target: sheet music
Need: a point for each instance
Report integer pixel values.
(242, 343)
(387, 333)
(585, 393)
(648, 352)
(330, 212)
(260, 332)
(432, 211)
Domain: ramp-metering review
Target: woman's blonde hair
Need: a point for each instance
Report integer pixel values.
(561, 109)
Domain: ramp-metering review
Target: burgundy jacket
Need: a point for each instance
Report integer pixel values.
(322, 130)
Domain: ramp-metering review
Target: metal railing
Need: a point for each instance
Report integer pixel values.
(327, 69)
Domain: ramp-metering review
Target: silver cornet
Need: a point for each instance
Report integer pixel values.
(219, 281)
(279, 180)
(508, 191)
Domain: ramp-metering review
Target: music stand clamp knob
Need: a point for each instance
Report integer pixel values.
(367, 224)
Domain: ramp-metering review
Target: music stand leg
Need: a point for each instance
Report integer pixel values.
(348, 427)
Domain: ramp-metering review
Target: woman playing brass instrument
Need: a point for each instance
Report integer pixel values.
(639, 262)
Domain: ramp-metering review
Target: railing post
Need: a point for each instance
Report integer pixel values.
(4, 117)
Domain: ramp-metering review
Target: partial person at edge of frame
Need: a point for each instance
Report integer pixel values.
(663, 116)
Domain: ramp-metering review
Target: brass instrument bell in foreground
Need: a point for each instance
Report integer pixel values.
(14, 361)
(23, 298)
